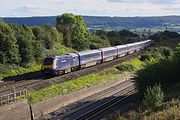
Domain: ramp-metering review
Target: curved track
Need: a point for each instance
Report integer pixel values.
(94, 109)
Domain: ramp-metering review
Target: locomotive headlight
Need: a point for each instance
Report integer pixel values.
(54, 64)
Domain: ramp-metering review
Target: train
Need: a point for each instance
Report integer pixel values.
(66, 63)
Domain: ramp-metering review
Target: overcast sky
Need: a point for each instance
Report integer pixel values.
(24, 8)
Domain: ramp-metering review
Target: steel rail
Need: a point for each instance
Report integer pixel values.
(99, 109)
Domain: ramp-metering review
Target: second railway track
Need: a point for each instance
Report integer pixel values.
(94, 109)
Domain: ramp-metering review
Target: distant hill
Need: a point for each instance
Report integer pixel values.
(105, 22)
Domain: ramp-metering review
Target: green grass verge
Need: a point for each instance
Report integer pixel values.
(82, 82)
(66, 87)
(20, 71)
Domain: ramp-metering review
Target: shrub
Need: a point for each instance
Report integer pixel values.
(153, 97)
(126, 67)
(145, 57)
(130, 66)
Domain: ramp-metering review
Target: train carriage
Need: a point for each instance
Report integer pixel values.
(138, 46)
(109, 53)
(89, 58)
(122, 50)
(131, 48)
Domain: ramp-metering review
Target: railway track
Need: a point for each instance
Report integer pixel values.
(73, 107)
(37, 83)
(93, 110)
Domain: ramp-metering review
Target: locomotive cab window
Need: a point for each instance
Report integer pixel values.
(48, 61)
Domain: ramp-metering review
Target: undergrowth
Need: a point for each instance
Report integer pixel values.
(19, 71)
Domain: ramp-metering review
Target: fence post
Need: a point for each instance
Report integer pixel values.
(14, 94)
(1, 100)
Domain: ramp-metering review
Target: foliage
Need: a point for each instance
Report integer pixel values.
(25, 46)
(166, 38)
(169, 111)
(47, 36)
(121, 37)
(98, 42)
(130, 66)
(153, 97)
(9, 52)
(17, 71)
(75, 32)
(126, 67)
(164, 69)
(25, 39)
(157, 53)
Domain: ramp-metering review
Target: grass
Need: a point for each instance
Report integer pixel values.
(19, 71)
(130, 66)
(106, 75)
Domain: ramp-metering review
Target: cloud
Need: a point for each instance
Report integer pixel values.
(27, 8)
(90, 7)
(142, 1)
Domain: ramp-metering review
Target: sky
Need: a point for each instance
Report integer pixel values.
(122, 8)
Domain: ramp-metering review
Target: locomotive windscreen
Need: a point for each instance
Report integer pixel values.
(48, 61)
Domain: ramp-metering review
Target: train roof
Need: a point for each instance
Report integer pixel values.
(131, 44)
(89, 52)
(108, 48)
(121, 46)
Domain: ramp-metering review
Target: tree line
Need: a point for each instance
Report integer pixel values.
(24, 46)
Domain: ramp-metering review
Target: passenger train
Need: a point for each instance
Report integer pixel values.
(56, 65)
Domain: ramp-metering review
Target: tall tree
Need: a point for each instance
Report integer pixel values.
(74, 31)
(9, 52)
(66, 24)
(25, 39)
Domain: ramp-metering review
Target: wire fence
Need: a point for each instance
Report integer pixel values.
(12, 97)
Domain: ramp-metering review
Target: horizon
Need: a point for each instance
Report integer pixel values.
(104, 8)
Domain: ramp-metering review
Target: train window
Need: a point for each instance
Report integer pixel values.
(109, 52)
(48, 61)
(90, 56)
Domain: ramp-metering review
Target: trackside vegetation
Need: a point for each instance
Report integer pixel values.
(18, 71)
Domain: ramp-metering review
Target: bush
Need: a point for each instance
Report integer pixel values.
(153, 97)
(126, 67)
(145, 57)
(130, 66)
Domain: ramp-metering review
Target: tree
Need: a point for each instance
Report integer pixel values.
(9, 52)
(66, 24)
(25, 39)
(154, 97)
(74, 30)
(47, 36)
